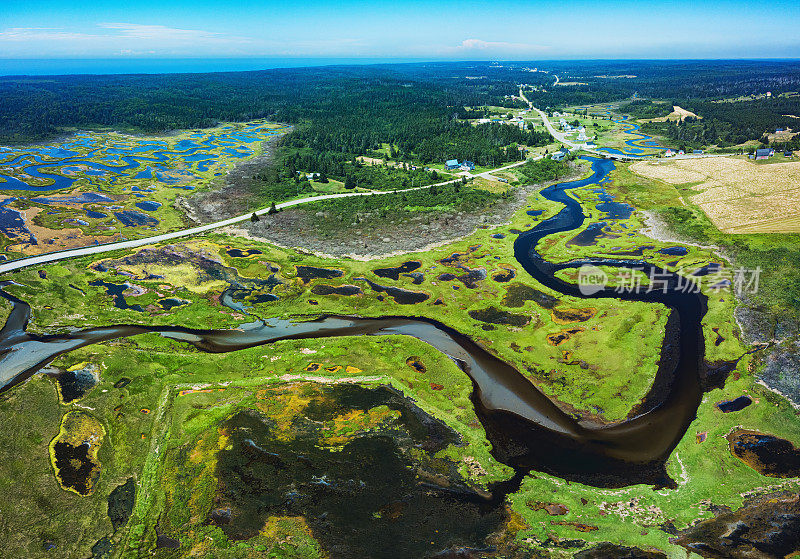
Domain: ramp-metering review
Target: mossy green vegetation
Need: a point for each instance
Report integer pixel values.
(707, 477)
(309, 417)
(165, 406)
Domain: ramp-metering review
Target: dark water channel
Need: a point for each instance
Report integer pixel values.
(527, 430)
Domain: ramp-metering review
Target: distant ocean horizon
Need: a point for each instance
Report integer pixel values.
(101, 66)
(55, 66)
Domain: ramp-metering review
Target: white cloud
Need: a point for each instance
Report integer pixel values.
(163, 34)
(478, 45)
(24, 34)
(479, 48)
(117, 38)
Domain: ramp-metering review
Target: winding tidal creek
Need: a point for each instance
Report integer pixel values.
(527, 430)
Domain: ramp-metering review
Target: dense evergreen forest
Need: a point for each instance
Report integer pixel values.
(665, 79)
(417, 108)
(723, 122)
(721, 92)
(344, 111)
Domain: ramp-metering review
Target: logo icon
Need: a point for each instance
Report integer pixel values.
(591, 279)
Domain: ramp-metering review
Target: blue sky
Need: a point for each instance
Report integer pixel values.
(468, 30)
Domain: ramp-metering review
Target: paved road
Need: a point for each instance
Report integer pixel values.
(562, 137)
(107, 247)
(21, 263)
(49, 257)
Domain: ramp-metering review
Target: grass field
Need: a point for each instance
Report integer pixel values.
(738, 195)
(678, 113)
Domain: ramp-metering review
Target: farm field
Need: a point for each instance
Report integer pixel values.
(738, 195)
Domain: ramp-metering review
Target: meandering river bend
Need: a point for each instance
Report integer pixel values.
(527, 430)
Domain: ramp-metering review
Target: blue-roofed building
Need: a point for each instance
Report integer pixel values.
(451, 164)
(468, 166)
(764, 153)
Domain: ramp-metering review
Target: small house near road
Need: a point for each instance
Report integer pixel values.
(453, 164)
(764, 153)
